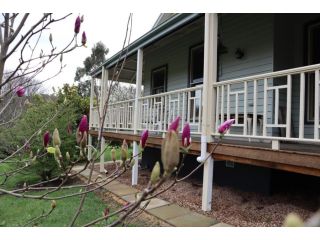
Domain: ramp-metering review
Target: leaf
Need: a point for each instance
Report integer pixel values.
(51, 150)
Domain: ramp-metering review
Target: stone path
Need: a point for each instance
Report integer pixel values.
(165, 211)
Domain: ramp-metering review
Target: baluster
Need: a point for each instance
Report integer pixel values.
(289, 93)
(255, 100)
(245, 102)
(265, 102)
(217, 108)
(316, 105)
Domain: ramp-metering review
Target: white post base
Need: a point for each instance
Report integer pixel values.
(89, 147)
(103, 142)
(134, 173)
(207, 184)
(275, 144)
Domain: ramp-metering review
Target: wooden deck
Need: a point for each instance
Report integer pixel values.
(293, 157)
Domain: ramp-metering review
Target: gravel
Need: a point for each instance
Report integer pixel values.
(232, 206)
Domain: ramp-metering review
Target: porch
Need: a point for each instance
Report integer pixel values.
(265, 107)
(276, 112)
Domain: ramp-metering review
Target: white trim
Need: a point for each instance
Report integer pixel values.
(208, 103)
(136, 120)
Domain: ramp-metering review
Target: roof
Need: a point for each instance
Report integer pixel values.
(156, 33)
(162, 18)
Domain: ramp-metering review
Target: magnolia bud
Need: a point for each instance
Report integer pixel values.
(293, 220)
(68, 156)
(50, 37)
(20, 91)
(82, 19)
(113, 154)
(53, 204)
(57, 155)
(83, 143)
(170, 151)
(56, 138)
(124, 151)
(78, 136)
(61, 57)
(155, 174)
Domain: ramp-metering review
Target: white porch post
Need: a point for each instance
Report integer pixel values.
(90, 118)
(134, 177)
(104, 84)
(208, 100)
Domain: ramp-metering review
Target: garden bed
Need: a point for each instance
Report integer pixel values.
(230, 205)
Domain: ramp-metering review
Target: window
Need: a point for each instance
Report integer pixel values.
(196, 56)
(196, 65)
(159, 80)
(313, 51)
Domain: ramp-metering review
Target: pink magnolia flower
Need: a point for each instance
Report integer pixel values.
(20, 91)
(224, 127)
(46, 138)
(144, 137)
(185, 138)
(77, 25)
(84, 38)
(83, 126)
(175, 124)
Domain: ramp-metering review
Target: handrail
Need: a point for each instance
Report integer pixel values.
(171, 92)
(280, 73)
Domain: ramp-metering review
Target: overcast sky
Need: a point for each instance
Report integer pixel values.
(109, 28)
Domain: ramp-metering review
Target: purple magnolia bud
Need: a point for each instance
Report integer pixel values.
(186, 135)
(224, 127)
(144, 137)
(83, 126)
(46, 138)
(77, 25)
(175, 124)
(20, 91)
(84, 38)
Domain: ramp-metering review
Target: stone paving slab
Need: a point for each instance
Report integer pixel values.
(120, 189)
(169, 211)
(192, 219)
(221, 225)
(154, 203)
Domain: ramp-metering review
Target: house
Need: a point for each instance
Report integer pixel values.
(260, 69)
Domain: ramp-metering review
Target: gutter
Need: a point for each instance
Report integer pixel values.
(154, 34)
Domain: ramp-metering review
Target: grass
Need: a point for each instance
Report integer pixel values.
(15, 212)
(18, 179)
(22, 210)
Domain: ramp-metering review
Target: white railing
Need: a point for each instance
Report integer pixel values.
(157, 111)
(271, 106)
(94, 117)
(120, 115)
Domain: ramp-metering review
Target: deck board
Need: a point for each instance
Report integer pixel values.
(292, 157)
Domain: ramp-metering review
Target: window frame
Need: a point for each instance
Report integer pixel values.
(191, 83)
(308, 55)
(162, 67)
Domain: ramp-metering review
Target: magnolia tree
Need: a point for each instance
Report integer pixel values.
(52, 147)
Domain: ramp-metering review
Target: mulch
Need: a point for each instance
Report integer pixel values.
(229, 205)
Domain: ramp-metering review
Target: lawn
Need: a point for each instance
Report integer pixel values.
(15, 212)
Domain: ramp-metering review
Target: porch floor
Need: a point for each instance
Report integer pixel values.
(292, 157)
